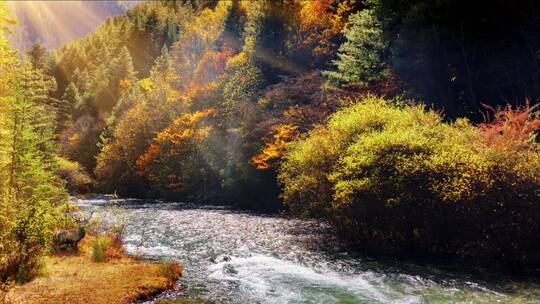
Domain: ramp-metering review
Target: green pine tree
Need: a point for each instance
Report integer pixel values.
(123, 66)
(37, 55)
(162, 63)
(31, 194)
(363, 58)
(73, 99)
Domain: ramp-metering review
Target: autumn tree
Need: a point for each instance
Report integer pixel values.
(292, 107)
(176, 161)
(320, 30)
(275, 148)
(132, 131)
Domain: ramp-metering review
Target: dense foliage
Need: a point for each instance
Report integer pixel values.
(190, 128)
(92, 73)
(397, 178)
(30, 194)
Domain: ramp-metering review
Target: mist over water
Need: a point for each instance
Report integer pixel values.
(237, 257)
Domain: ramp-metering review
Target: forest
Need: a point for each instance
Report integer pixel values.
(411, 126)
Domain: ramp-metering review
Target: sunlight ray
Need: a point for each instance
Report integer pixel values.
(55, 22)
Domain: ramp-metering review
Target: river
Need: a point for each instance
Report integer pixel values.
(239, 257)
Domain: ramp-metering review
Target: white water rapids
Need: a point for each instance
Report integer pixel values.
(237, 257)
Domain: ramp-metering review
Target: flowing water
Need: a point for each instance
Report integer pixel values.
(238, 257)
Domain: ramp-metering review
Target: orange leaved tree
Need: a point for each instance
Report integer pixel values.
(176, 161)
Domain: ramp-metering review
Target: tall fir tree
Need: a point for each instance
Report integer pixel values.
(30, 193)
(363, 58)
(162, 63)
(38, 56)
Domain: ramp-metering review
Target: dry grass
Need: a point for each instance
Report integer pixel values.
(76, 279)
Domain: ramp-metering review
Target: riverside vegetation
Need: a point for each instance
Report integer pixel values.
(412, 128)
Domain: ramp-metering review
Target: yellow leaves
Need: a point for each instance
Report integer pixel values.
(146, 85)
(321, 22)
(203, 30)
(149, 86)
(209, 24)
(241, 59)
(275, 148)
(315, 14)
(197, 89)
(186, 127)
(246, 6)
(5, 21)
(345, 8)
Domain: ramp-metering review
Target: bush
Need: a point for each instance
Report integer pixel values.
(398, 179)
(107, 247)
(97, 249)
(27, 220)
(171, 271)
(308, 162)
(76, 178)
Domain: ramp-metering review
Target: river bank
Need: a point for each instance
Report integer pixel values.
(76, 278)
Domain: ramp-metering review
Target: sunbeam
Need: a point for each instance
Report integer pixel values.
(54, 22)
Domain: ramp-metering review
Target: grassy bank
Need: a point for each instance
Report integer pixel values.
(97, 274)
(77, 279)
